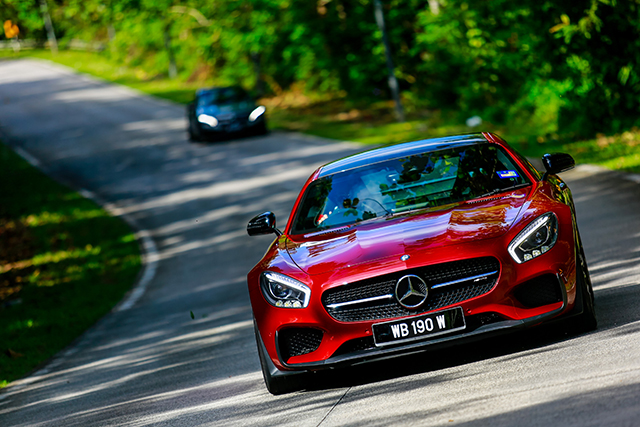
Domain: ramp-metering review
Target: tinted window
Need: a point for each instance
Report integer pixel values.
(228, 95)
(423, 181)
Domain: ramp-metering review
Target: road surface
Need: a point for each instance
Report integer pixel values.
(149, 363)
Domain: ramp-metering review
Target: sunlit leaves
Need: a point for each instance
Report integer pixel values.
(479, 58)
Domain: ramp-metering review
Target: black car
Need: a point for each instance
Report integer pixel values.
(220, 111)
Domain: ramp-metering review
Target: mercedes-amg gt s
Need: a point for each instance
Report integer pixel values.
(416, 245)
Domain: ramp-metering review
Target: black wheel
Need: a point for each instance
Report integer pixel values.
(194, 132)
(261, 129)
(277, 381)
(585, 321)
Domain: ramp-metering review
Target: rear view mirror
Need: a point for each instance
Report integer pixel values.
(265, 223)
(557, 162)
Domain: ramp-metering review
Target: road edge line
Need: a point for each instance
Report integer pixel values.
(149, 259)
(148, 249)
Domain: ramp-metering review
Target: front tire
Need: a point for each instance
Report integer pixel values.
(261, 129)
(277, 381)
(194, 133)
(587, 320)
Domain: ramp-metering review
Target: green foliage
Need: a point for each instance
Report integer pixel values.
(568, 68)
(64, 263)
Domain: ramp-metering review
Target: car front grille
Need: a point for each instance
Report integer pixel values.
(233, 119)
(448, 283)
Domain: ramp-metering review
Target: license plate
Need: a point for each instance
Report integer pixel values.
(234, 127)
(418, 327)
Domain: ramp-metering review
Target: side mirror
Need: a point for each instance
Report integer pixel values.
(265, 223)
(557, 162)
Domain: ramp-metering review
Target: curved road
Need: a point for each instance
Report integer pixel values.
(148, 363)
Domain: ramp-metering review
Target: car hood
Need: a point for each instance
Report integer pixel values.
(395, 236)
(233, 108)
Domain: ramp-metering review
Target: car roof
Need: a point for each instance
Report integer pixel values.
(206, 90)
(397, 151)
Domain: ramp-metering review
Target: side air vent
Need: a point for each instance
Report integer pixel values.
(540, 291)
(298, 341)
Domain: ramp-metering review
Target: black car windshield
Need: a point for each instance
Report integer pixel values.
(427, 180)
(221, 96)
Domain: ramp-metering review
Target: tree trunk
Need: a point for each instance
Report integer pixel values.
(51, 35)
(393, 82)
(173, 69)
(259, 87)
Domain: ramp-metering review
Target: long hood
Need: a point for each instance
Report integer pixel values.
(376, 240)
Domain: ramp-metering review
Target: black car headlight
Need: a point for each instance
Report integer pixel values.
(283, 291)
(208, 120)
(257, 113)
(536, 238)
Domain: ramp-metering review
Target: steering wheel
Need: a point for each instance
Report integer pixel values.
(368, 200)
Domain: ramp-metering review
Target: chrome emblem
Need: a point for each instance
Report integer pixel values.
(404, 257)
(411, 291)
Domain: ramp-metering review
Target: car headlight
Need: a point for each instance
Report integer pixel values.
(208, 120)
(283, 291)
(255, 114)
(536, 238)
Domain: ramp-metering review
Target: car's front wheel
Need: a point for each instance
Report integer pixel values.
(587, 320)
(194, 133)
(261, 128)
(277, 381)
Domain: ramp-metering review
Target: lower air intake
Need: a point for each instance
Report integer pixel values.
(540, 291)
(298, 341)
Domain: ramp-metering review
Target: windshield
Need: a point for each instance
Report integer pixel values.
(228, 95)
(422, 181)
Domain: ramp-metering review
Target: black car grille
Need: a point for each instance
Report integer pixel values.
(235, 119)
(465, 280)
(298, 341)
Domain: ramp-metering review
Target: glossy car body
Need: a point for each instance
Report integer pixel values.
(343, 285)
(222, 111)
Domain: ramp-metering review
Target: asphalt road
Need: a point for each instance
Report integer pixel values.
(149, 363)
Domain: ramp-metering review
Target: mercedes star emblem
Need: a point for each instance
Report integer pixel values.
(411, 291)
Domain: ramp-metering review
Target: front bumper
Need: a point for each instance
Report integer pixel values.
(495, 312)
(232, 126)
(456, 338)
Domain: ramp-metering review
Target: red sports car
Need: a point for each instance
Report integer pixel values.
(416, 245)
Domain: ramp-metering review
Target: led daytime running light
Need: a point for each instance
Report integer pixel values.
(208, 120)
(548, 220)
(283, 291)
(255, 114)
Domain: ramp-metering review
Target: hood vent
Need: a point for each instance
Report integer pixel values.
(333, 231)
(484, 200)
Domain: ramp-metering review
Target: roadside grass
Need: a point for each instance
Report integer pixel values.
(64, 263)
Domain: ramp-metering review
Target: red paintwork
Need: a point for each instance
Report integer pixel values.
(372, 248)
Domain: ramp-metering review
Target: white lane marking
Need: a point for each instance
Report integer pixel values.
(634, 177)
(151, 258)
(28, 157)
(150, 255)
